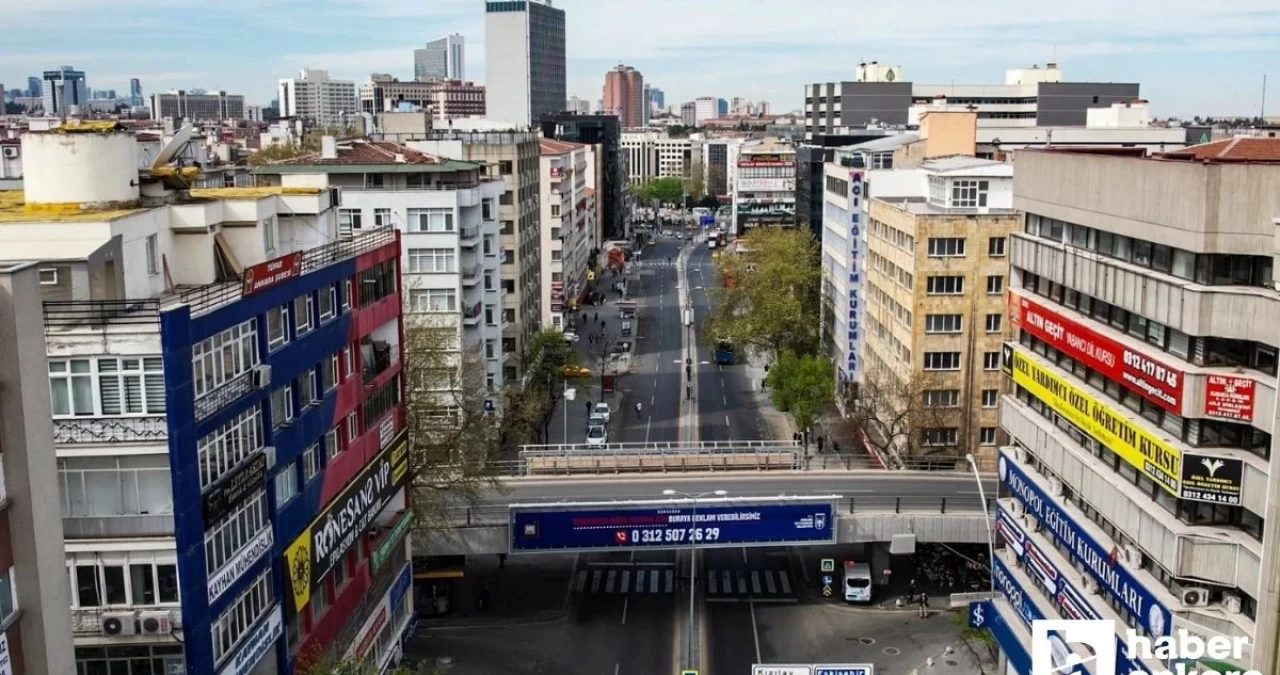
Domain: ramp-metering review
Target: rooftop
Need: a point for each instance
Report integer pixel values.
(920, 206)
(967, 165)
(1238, 149)
(367, 152)
(883, 144)
(14, 209)
(770, 145)
(253, 192)
(553, 147)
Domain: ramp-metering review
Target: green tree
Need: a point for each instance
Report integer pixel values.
(668, 190)
(802, 385)
(770, 301)
(544, 362)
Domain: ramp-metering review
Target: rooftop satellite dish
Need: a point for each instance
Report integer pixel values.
(171, 149)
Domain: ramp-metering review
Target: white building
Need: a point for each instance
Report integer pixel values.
(705, 108)
(314, 97)
(651, 153)
(764, 189)
(524, 61)
(568, 225)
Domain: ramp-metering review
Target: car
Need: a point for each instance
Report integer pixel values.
(679, 235)
(597, 436)
(602, 409)
(570, 336)
(575, 371)
(597, 420)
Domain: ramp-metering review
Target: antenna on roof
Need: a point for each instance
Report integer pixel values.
(171, 149)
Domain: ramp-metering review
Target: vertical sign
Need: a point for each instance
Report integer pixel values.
(852, 364)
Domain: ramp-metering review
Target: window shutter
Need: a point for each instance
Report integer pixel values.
(109, 386)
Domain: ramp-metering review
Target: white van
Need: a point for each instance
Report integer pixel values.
(857, 582)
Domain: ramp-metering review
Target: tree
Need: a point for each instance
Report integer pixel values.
(802, 385)
(668, 190)
(11, 108)
(679, 131)
(772, 305)
(894, 412)
(544, 360)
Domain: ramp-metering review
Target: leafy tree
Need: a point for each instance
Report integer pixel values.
(679, 130)
(892, 409)
(543, 362)
(668, 190)
(772, 305)
(11, 108)
(802, 385)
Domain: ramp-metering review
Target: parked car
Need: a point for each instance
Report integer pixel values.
(570, 336)
(597, 420)
(602, 409)
(597, 436)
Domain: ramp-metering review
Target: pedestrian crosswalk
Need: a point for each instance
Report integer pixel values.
(626, 580)
(650, 264)
(741, 583)
(716, 584)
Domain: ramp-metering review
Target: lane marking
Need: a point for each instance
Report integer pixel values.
(646, 429)
(724, 400)
(755, 630)
(568, 591)
(624, 616)
(726, 421)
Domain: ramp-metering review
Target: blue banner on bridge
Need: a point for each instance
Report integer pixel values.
(559, 528)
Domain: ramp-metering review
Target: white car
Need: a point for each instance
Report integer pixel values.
(570, 336)
(597, 420)
(597, 436)
(602, 409)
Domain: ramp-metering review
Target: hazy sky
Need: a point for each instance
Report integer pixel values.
(1191, 57)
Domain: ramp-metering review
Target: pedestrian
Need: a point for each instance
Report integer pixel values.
(484, 599)
(502, 561)
(924, 605)
(821, 440)
(911, 590)
(835, 448)
(588, 408)
(638, 406)
(597, 316)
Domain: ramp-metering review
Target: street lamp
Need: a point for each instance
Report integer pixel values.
(693, 553)
(986, 520)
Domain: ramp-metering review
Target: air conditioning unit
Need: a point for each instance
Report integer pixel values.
(1132, 556)
(270, 452)
(1090, 586)
(1055, 487)
(1019, 453)
(1035, 524)
(155, 623)
(119, 623)
(1192, 596)
(11, 152)
(261, 376)
(1231, 603)
(1017, 508)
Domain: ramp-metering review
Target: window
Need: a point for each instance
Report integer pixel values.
(327, 299)
(231, 534)
(8, 595)
(71, 387)
(329, 373)
(230, 626)
(941, 398)
(377, 282)
(126, 485)
(277, 326)
(995, 247)
(286, 485)
(942, 360)
(224, 448)
(434, 300)
(219, 359)
(332, 444)
(995, 284)
(429, 260)
(968, 194)
(353, 426)
(950, 285)
(993, 323)
(269, 235)
(947, 436)
(282, 405)
(307, 393)
(302, 314)
(153, 255)
(990, 397)
(346, 294)
(942, 323)
(310, 462)
(349, 219)
(987, 436)
(946, 247)
(48, 276)
(555, 210)
(504, 167)
(382, 217)
(991, 360)
(430, 220)
(486, 209)
(348, 363)
(131, 386)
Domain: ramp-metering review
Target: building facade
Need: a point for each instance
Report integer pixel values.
(446, 99)
(624, 96)
(1141, 393)
(765, 185)
(705, 108)
(65, 85)
(651, 153)
(524, 60)
(657, 98)
(603, 131)
(315, 98)
(207, 107)
(567, 231)
(689, 114)
(442, 59)
(135, 92)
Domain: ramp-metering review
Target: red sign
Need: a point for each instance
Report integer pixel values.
(371, 633)
(268, 274)
(1228, 397)
(1153, 380)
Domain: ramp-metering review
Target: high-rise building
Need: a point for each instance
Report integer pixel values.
(722, 107)
(762, 108)
(135, 92)
(33, 87)
(446, 99)
(689, 113)
(1140, 398)
(705, 108)
(524, 60)
(313, 97)
(605, 132)
(624, 96)
(764, 192)
(646, 102)
(658, 98)
(208, 107)
(444, 59)
(578, 106)
(68, 85)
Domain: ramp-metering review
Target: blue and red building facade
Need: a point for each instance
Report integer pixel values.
(289, 461)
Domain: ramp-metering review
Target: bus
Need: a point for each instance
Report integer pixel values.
(724, 352)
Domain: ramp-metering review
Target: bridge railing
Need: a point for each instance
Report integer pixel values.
(569, 460)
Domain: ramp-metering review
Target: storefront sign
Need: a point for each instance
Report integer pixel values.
(240, 563)
(1212, 479)
(265, 275)
(854, 336)
(6, 662)
(323, 543)
(766, 160)
(1228, 397)
(369, 633)
(1159, 383)
(392, 539)
(400, 588)
(256, 645)
(223, 497)
(766, 184)
(766, 208)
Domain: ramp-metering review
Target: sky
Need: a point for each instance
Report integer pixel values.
(1191, 57)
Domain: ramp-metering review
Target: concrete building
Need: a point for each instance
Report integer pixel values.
(315, 98)
(657, 98)
(719, 163)
(577, 106)
(135, 93)
(446, 99)
(1141, 396)
(64, 85)
(705, 108)
(224, 377)
(189, 107)
(651, 153)
(524, 60)
(811, 159)
(567, 237)
(764, 192)
(35, 622)
(689, 114)
(514, 157)
(442, 59)
(447, 213)
(624, 96)
(613, 210)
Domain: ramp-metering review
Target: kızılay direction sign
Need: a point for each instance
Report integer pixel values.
(335, 530)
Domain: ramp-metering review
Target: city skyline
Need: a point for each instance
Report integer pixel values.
(767, 53)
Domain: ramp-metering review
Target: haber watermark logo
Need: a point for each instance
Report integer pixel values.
(1053, 653)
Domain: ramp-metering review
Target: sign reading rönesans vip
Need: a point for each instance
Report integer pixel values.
(225, 495)
(335, 530)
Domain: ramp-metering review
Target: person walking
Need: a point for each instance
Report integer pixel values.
(911, 590)
(820, 442)
(924, 605)
(638, 406)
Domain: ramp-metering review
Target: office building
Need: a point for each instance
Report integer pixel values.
(447, 213)
(705, 108)
(1140, 396)
(762, 108)
(624, 96)
(577, 106)
(722, 107)
(35, 622)
(34, 90)
(524, 60)
(765, 189)
(191, 107)
(689, 114)
(604, 132)
(566, 236)
(318, 100)
(811, 159)
(719, 162)
(657, 98)
(225, 385)
(135, 92)
(64, 85)
(651, 153)
(442, 59)
(446, 99)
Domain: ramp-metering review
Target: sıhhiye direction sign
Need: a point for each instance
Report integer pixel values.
(670, 524)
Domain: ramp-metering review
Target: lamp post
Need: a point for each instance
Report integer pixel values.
(693, 555)
(986, 520)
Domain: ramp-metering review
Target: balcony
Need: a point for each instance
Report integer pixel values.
(471, 315)
(108, 527)
(469, 236)
(471, 275)
(111, 430)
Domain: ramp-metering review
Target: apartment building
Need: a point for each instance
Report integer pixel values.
(568, 228)
(603, 132)
(513, 157)
(689, 114)
(1141, 396)
(313, 97)
(447, 213)
(446, 99)
(651, 153)
(192, 107)
(765, 184)
(35, 619)
(224, 376)
(524, 60)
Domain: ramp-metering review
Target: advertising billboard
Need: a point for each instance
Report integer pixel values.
(265, 275)
(766, 185)
(854, 337)
(675, 524)
(763, 159)
(1228, 397)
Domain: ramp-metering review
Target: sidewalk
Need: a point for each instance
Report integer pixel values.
(777, 424)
